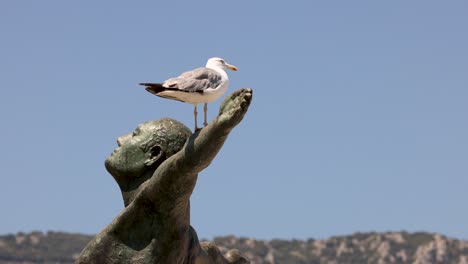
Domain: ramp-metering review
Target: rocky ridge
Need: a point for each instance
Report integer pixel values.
(391, 247)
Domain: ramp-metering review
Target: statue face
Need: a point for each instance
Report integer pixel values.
(130, 157)
(141, 150)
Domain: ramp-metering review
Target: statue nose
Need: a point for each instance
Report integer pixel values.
(121, 140)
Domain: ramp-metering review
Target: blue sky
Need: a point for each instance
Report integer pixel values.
(358, 123)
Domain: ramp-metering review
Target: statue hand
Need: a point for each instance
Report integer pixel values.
(234, 107)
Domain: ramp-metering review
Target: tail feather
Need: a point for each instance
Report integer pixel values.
(154, 88)
(157, 88)
(151, 84)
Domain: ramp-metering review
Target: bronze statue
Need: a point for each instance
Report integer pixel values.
(156, 168)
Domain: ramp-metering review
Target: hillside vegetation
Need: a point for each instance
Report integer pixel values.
(396, 247)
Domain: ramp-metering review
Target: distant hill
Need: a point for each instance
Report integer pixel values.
(398, 247)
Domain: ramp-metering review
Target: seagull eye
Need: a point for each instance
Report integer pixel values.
(222, 61)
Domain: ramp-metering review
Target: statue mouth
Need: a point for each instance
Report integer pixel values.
(115, 150)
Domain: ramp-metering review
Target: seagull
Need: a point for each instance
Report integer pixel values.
(201, 85)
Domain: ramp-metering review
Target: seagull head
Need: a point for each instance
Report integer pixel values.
(218, 63)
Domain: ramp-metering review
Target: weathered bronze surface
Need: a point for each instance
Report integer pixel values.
(156, 168)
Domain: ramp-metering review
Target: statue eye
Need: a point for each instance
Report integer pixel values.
(136, 131)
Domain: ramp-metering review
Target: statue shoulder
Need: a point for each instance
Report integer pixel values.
(212, 255)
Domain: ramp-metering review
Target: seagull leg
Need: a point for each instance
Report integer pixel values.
(205, 109)
(195, 115)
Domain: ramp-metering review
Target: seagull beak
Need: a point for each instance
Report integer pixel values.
(232, 67)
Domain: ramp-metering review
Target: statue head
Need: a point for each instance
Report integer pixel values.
(141, 152)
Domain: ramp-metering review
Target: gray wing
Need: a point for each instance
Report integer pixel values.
(197, 80)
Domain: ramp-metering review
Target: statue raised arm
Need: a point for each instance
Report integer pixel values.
(156, 168)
